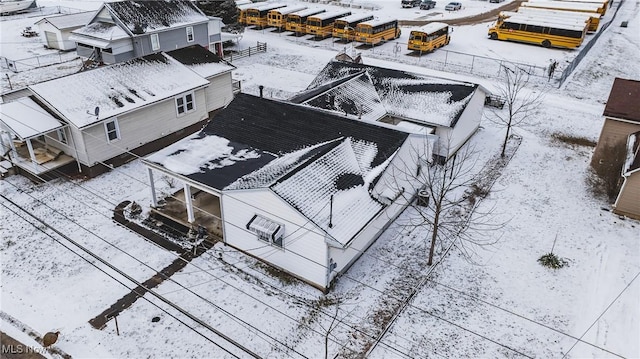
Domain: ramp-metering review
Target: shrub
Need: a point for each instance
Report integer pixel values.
(551, 260)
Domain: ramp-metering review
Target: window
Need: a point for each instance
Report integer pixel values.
(185, 104)
(62, 136)
(267, 230)
(189, 33)
(155, 42)
(112, 130)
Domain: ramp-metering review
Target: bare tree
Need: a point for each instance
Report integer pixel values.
(521, 103)
(449, 200)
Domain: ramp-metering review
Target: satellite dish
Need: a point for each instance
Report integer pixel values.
(96, 111)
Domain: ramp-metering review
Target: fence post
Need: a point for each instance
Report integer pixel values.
(473, 60)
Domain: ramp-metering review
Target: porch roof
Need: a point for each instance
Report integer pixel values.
(26, 119)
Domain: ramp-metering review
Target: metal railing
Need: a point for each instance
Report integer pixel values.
(30, 63)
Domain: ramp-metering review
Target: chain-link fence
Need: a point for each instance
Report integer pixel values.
(585, 49)
(36, 61)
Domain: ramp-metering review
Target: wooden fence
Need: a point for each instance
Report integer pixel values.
(238, 54)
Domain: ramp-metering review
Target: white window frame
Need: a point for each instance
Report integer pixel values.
(155, 42)
(185, 103)
(62, 136)
(190, 35)
(116, 129)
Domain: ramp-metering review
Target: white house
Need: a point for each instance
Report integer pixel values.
(450, 109)
(111, 114)
(302, 189)
(56, 30)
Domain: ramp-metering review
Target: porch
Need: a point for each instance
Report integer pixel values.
(45, 158)
(201, 206)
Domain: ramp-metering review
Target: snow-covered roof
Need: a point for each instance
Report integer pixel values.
(69, 21)
(306, 151)
(623, 100)
(204, 62)
(117, 89)
(150, 16)
(99, 30)
(333, 190)
(425, 99)
(26, 119)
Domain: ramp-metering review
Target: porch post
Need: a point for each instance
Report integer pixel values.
(189, 203)
(154, 199)
(75, 150)
(31, 154)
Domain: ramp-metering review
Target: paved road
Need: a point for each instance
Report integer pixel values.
(469, 20)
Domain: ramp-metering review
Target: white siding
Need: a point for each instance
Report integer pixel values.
(78, 141)
(304, 253)
(467, 124)
(140, 127)
(45, 27)
(344, 258)
(219, 92)
(67, 44)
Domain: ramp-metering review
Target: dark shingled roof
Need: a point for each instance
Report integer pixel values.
(280, 127)
(624, 100)
(194, 55)
(148, 15)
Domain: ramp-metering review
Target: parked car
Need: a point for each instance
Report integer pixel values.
(496, 1)
(410, 3)
(453, 6)
(427, 4)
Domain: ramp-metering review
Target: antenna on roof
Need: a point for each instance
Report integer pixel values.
(96, 112)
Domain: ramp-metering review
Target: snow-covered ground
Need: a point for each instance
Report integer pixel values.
(507, 305)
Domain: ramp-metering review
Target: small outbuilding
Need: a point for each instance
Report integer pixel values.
(56, 30)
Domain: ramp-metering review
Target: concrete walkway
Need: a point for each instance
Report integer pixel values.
(100, 321)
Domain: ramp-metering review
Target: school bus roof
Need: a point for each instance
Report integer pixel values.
(432, 27)
(356, 17)
(557, 13)
(541, 22)
(289, 9)
(560, 5)
(374, 23)
(308, 12)
(327, 15)
(269, 6)
(547, 18)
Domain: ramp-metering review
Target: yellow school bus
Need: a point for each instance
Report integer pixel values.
(592, 19)
(539, 32)
(429, 37)
(297, 21)
(321, 25)
(377, 31)
(242, 17)
(278, 17)
(257, 15)
(345, 28)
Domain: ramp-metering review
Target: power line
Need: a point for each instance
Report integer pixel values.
(601, 314)
(272, 214)
(141, 295)
(172, 280)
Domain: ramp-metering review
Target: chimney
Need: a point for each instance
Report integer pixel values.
(261, 88)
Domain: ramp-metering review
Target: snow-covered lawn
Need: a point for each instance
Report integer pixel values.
(507, 305)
